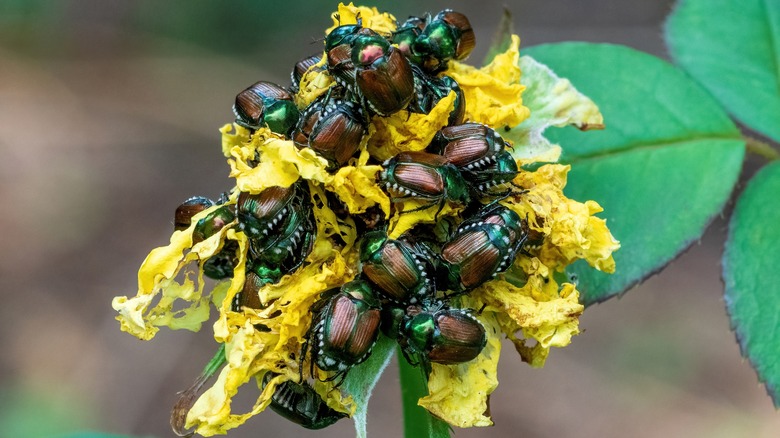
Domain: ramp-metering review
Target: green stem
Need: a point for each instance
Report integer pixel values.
(760, 148)
(187, 397)
(418, 423)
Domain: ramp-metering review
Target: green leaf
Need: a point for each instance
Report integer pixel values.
(418, 423)
(733, 48)
(362, 379)
(662, 169)
(751, 276)
(502, 39)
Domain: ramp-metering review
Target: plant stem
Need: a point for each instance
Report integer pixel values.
(418, 423)
(760, 148)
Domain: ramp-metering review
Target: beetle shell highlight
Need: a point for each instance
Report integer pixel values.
(189, 208)
(265, 103)
(424, 176)
(345, 328)
(383, 76)
(334, 130)
(445, 336)
(481, 247)
(400, 272)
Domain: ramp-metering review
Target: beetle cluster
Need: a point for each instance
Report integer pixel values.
(405, 285)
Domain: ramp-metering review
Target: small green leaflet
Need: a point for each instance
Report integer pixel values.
(751, 276)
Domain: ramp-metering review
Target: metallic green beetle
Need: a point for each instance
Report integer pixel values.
(481, 247)
(220, 265)
(420, 175)
(439, 334)
(265, 103)
(400, 270)
(383, 76)
(447, 36)
(299, 403)
(344, 328)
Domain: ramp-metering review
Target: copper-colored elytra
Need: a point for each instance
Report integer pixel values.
(476, 255)
(466, 150)
(394, 274)
(452, 354)
(249, 296)
(341, 54)
(389, 89)
(459, 328)
(398, 266)
(266, 204)
(384, 280)
(305, 126)
(342, 320)
(467, 39)
(341, 138)
(421, 179)
(364, 333)
(302, 66)
(426, 158)
(465, 130)
(250, 104)
(184, 214)
(271, 90)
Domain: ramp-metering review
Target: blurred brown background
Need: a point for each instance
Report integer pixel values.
(108, 120)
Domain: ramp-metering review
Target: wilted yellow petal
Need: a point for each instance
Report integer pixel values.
(458, 394)
(405, 131)
(380, 22)
(357, 188)
(494, 92)
(157, 277)
(313, 84)
(544, 314)
(571, 231)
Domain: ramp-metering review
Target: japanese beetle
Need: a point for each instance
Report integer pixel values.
(436, 333)
(468, 146)
(188, 209)
(478, 152)
(290, 244)
(480, 248)
(406, 34)
(333, 128)
(399, 269)
(420, 175)
(220, 265)
(300, 403)
(300, 69)
(338, 51)
(210, 224)
(248, 297)
(259, 214)
(428, 91)
(344, 328)
(447, 36)
(265, 103)
(501, 170)
(383, 76)
(281, 228)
